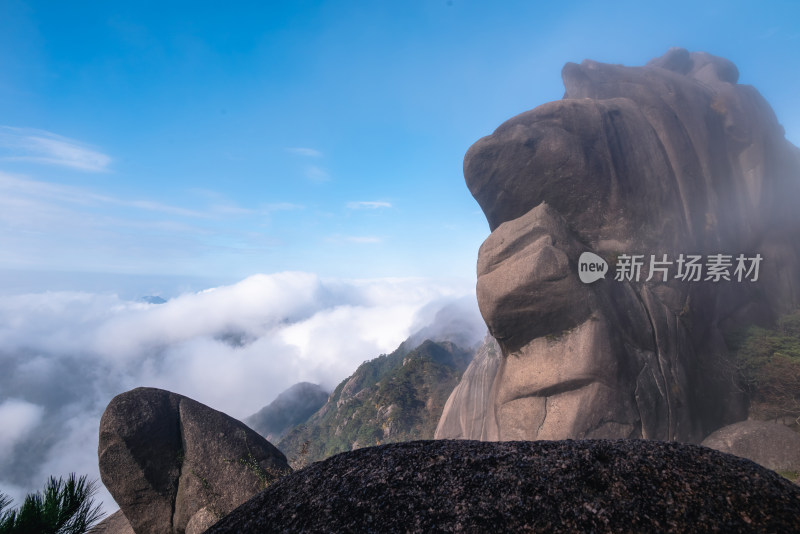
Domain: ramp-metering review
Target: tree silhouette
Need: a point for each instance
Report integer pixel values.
(63, 508)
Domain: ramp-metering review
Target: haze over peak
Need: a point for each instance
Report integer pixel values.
(66, 354)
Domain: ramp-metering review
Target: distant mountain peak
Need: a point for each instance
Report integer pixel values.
(394, 397)
(292, 407)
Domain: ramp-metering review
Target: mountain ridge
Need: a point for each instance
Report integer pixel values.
(395, 397)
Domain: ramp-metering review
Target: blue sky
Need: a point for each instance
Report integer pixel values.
(219, 140)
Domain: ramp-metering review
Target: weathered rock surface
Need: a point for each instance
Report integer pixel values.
(289, 409)
(116, 523)
(772, 445)
(671, 158)
(201, 521)
(165, 457)
(558, 486)
(464, 412)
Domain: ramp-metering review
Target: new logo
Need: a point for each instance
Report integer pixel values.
(591, 267)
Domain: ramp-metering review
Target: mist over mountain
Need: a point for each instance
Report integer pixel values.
(418, 182)
(289, 409)
(454, 321)
(64, 355)
(394, 397)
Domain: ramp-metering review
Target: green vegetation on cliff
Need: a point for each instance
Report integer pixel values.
(768, 360)
(395, 397)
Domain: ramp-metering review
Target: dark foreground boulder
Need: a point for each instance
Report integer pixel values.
(174, 464)
(541, 486)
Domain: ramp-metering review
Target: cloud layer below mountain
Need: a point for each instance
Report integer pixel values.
(64, 355)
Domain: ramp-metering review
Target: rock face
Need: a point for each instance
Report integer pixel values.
(165, 457)
(464, 413)
(772, 445)
(557, 486)
(116, 523)
(289, 409)
(673, 158)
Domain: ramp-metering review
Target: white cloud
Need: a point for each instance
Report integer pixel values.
(80, 229)
(220, 204)
(64, 355)
(79, 433)
(363, 240)
(368, 205)
(22, 189)
(39, 146)
(149, 205)
(358, 240)
(17, 419)
(317, 174)
(314, 173)
(284, 206)
(306, 152)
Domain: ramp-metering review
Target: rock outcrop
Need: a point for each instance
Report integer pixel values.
(773, 445)
(671, 159)
(165, 458)
(464, 413)
(558, 486)
(116, 523)
(289, 409)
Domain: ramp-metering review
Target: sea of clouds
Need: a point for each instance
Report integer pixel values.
(65, 355)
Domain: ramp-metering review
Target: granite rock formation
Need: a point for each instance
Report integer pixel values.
(166, 458)
(464, 412)
(116, 523)
(556, 486)
(673, 158)
(773, 445)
